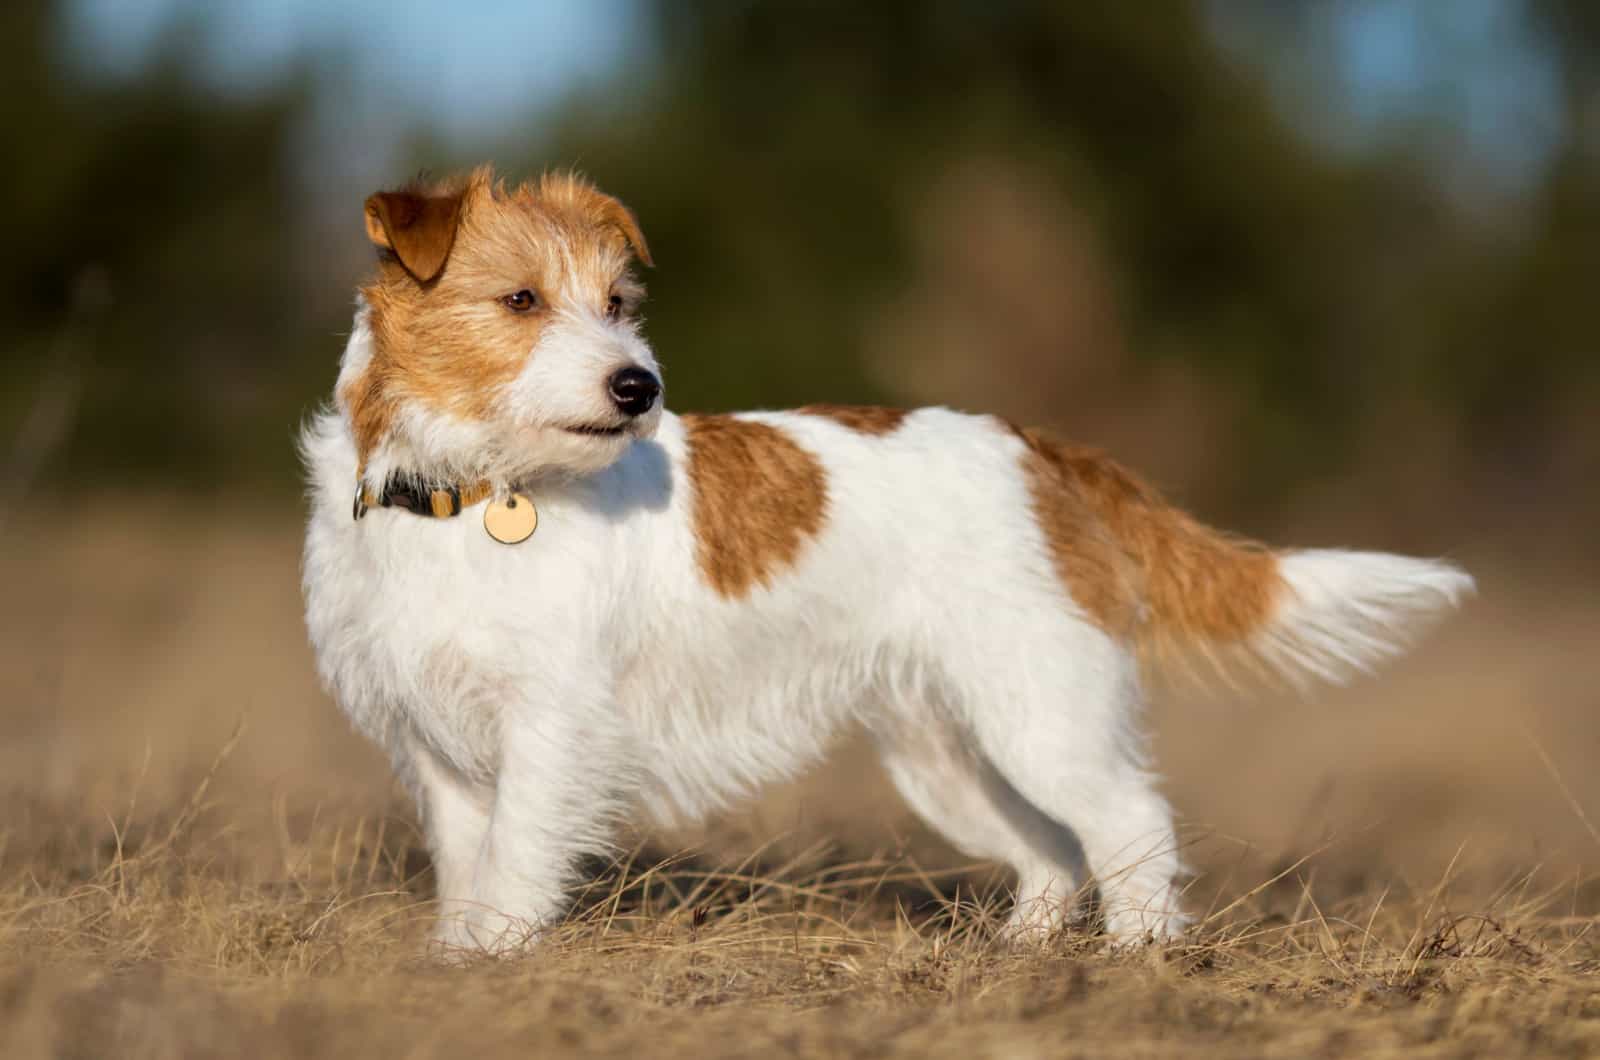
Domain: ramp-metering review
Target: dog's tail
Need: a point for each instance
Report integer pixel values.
(1179, 589)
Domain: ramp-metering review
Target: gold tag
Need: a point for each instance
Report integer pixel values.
(511, 521)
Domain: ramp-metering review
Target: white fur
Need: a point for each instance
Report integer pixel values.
(531, 694)
(1348, 611)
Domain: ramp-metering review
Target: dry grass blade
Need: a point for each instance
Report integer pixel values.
(1561, 785)
(197, 800)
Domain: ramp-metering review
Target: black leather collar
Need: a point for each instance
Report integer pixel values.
(434, 500)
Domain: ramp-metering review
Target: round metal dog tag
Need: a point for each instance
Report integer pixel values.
(511, 521)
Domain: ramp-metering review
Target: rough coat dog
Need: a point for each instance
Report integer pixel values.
(706, 602)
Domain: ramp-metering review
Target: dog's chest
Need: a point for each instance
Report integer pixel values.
(428, 629)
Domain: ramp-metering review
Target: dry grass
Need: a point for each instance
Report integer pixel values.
(1400, 867)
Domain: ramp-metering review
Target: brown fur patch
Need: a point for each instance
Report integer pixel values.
(1134, 563)
(418, 228)
(450, 344)
(867, 419)
(758, 498)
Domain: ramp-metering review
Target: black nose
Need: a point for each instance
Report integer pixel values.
(634, 390)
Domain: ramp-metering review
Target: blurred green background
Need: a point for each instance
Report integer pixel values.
(1305, 263)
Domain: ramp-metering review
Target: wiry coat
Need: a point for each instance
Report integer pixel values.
(708, 602)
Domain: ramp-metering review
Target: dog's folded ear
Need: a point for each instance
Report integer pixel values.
(417, 228)
(612, 212)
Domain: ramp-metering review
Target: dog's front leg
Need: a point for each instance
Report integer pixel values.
(561, 775)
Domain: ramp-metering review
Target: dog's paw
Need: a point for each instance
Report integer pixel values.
(464, 937)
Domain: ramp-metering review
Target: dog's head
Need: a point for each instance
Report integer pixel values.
(501, 330)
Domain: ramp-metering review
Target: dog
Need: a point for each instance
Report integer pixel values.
(557, 605)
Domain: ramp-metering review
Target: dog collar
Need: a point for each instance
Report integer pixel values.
(440, 502)
(510, 520)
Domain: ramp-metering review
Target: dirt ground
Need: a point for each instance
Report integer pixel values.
(197, 858)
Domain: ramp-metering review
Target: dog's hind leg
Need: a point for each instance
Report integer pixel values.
(1082, 765)
(954, 788)
(1053, 708)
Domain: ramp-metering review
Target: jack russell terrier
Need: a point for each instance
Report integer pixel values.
(555, 603)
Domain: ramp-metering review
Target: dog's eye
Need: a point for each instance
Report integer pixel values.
(614, 306)
(520, 302)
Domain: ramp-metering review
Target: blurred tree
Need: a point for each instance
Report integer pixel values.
(1089, 203)
(1520, 366)
(166, 204)
(778, 153)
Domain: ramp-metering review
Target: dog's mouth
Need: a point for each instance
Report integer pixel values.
(595, 430)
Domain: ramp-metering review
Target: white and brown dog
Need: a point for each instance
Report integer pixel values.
(589, 606)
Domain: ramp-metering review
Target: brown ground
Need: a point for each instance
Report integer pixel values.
(166, 891)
